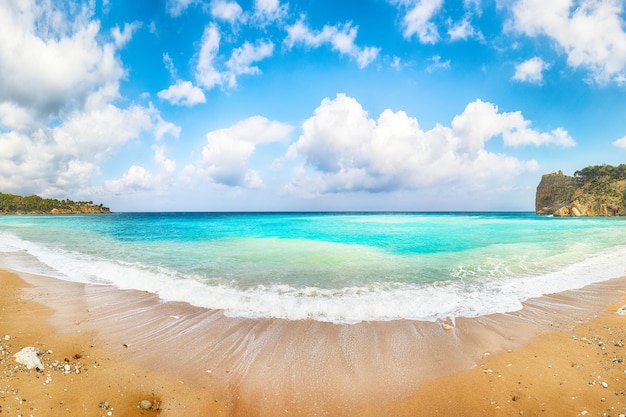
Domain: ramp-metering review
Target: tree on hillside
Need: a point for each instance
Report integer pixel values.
(609, 172)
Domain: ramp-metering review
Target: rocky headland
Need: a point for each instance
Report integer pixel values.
(598, 190)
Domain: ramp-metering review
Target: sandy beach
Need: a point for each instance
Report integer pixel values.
(109, 352)
(96, 380)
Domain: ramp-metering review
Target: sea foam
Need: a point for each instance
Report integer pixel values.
(496, 290)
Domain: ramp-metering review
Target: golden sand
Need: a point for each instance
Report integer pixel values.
(106, 382)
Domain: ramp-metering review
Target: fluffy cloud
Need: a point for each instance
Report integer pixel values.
(419, 15)
(240, 62)
(61, 159)
(591, 32)
(226, 10)
(122, 36)
(183, 93)
(159, 127)
(138, 178)
(531, 70)
(59, 62)
(341, 38)
(14, 116)
(463, 30)
(620, 143)
(58, 120)
(350, 151)
(481, 121)
(268, 11)
(206, 74)
(228, 150)
(417, 20)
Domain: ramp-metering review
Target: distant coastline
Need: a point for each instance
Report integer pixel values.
(16, 204)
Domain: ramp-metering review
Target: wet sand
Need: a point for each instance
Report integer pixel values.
(550, 358)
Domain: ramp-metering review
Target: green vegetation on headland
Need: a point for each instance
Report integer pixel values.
(597, 190)
(15, 204)
(602, 173)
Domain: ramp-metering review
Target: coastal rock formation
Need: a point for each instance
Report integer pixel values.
(554, 192)
(82, 209)
(593, 191)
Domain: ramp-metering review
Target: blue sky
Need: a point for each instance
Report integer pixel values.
(211, 105)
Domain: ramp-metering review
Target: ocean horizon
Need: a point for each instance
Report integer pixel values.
(339, 267)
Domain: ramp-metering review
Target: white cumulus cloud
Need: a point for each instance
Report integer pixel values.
(350, 151)
(183, 93)
(229, 11)
(531, 70)
(590, 32)
(138, 178)
(481, 121)
(58, 114)
(64, 158)
(227, 152)
(58, 63)
(620, 143)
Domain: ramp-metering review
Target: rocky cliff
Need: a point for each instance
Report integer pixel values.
(565, 196)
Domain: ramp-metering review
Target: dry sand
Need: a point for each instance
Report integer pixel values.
(106, 385)
(575, 373)
(563, 355)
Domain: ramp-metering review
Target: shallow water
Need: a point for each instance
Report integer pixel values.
(334, 267)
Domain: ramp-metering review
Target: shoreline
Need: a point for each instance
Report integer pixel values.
(264, 367)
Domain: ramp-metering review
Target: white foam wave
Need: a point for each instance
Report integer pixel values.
(374, 302)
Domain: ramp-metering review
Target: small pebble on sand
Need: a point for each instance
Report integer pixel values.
(145, 405)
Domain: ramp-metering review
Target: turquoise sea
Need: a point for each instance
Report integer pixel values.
(335, 267)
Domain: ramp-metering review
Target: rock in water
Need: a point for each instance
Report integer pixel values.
(29, 357)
